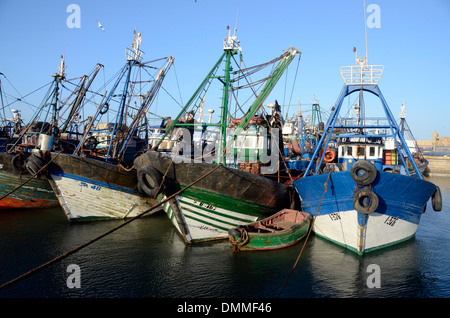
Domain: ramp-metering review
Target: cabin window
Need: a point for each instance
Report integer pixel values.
(342, 151)
(372, 151)
(349, 151)
(360, 151)
(249, 143)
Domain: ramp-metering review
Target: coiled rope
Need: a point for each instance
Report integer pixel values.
(242, 240)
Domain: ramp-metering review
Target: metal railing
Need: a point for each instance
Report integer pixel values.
(362, 74)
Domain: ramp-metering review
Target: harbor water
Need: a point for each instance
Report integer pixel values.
(148, 259)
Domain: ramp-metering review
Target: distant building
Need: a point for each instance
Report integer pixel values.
(436, 146)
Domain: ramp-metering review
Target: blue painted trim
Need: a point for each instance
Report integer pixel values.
(399, 196)
(95, 182)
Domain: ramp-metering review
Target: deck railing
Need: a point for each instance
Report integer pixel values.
(362, 75)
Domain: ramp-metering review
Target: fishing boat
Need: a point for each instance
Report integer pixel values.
(5, 124)
(369, 194)
(231, 194)
(22, 184)
(421, 161)
(280, 230)
(300, 136)
(97, 180)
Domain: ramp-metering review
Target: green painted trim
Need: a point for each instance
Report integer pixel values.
(207, 223)
(213, 212)
(228, 203)
(281, 239)
(367, 250)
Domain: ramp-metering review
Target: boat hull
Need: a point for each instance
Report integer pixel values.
(18, 192)
(402, 200)
(256, 238)
(224, 199)
(90, 189)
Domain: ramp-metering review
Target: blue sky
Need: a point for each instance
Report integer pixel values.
(412, 42)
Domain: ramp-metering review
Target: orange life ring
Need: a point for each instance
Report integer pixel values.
(329, 156)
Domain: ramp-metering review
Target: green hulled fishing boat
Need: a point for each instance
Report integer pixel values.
(280, 230)
(228, 196)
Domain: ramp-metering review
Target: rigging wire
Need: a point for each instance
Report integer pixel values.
(295, 80)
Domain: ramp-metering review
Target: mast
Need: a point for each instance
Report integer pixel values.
(121, 132)
(358, 78)
(59, 77)
(286, 59)
(52, 95)
(200, 89)
(230, 46)
(149, 97)
(80, 96)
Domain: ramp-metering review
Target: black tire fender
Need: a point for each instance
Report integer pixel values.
(235, 233)
(34, 164)
(149, 180)
(365, 201)
(18, 162)
(363, 172)
(436, 200)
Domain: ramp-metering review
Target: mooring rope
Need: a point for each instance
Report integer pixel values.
(76, 249)
(242, 240)
(307, 236)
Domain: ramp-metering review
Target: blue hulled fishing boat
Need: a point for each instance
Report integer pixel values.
(370, 194)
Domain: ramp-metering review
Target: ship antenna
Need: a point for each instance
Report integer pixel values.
(235, 28)
(365, 28)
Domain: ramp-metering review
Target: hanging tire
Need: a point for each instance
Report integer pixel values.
(363, 172)
(436, 200)
(149, 181)
(365, 201)
(34, 164)
(18, 162)
(235, 233)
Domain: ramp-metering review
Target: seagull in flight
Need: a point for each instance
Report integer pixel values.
(100, 26)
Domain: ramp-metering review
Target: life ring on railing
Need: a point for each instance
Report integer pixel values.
(365, 201)
(436, 200)
(104, 109)
(329, 155)
(363, 172)
(18, 162)
(149, 181)
(178, 134)
(34, 164)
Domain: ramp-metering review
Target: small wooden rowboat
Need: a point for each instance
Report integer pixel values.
(282, 229)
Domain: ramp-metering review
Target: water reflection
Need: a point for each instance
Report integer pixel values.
(147, 258)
